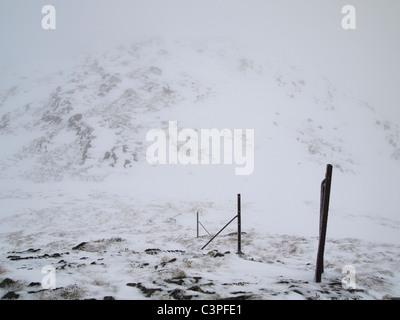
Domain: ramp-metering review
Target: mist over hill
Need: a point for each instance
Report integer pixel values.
(96, 114)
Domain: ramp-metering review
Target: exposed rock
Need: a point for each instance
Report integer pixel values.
(179, 294)
(7, 282)
(45, 256)
(148, 292)
(198, 289)
(152, 251)
(34, 284)
(11, 295)
(175, 281)
(79, 246)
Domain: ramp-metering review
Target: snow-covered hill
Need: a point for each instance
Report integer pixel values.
(77, 192)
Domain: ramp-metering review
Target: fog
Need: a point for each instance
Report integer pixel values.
(308, 34)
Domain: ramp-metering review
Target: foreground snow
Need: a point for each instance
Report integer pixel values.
(104, 245)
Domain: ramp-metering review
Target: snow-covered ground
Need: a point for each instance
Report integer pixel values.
(77, 193)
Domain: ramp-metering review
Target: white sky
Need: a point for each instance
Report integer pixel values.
(306, 33)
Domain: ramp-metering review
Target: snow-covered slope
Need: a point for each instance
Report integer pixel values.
(77, 192)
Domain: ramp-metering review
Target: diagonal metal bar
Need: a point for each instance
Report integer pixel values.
(219, 232)
(204, 227)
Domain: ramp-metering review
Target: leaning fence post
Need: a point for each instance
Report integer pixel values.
(239, 215)
(324, 208)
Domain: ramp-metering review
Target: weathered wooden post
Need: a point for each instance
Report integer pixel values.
(239, 216)
(324, 208)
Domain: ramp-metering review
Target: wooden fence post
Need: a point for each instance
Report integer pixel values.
(324, 208)
(239, 215)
